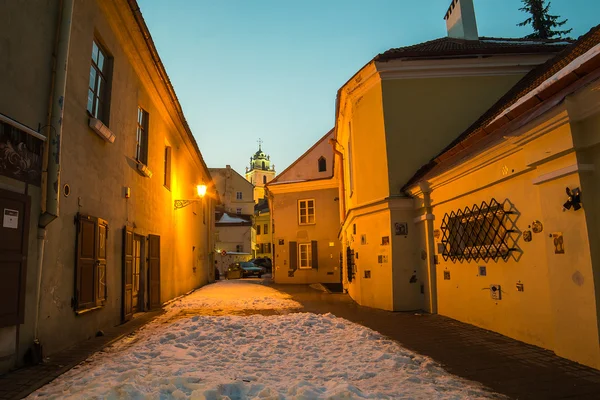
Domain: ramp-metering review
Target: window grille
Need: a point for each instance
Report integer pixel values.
(477, 233)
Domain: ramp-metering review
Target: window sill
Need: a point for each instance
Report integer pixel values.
(143, 169)
(87, 310)
(307, 223)
(101, 130)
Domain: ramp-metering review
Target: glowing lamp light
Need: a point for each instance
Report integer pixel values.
(201, 190)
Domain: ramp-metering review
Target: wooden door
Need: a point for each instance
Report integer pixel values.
(14, 234)
(86, 261)
(154, 270)
(127, 311)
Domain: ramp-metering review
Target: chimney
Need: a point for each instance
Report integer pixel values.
(460, 20)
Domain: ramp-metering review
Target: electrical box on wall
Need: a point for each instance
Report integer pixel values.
(495, 292)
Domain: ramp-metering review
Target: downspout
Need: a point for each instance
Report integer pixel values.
(333, 143)
(431, 293)
(54, 128)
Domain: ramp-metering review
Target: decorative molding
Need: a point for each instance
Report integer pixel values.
(559, 173)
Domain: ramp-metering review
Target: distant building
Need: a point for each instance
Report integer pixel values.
(260, 172)
(235, 236)
(263, 227)
(305, 212)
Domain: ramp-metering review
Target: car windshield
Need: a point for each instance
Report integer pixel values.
(247, 265)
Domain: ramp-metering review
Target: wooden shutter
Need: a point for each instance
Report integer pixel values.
(13, 257)
(100, 284)
(315, 255)
(167, 180)
(293, 255)
(154, 270)
(85, 273)
(127, 312)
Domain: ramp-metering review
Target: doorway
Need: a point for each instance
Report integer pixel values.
(138, 281)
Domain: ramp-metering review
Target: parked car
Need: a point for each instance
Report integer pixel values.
(264, 262)
(244, 269)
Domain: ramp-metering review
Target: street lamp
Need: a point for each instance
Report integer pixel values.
(200, 189)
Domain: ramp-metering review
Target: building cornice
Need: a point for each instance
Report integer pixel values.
(302, 186)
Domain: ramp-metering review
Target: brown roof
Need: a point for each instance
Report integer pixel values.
(491, 121)
(446, 46)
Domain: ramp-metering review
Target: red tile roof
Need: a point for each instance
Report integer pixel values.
(447, 46)
(493, 119)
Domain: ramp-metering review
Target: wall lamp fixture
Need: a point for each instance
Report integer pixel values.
(200, 189)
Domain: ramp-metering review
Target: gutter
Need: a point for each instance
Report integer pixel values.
(52, 153)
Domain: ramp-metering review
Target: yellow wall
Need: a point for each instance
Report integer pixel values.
(557, 309)
(425, 115)
(263, 219)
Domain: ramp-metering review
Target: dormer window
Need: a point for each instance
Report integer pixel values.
(263, 165)
(322, 164)
(265, 179)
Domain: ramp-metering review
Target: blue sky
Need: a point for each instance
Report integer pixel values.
(245, 69)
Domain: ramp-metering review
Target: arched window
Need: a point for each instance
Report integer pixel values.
(263, 165)
(264, 179)
(322, 164)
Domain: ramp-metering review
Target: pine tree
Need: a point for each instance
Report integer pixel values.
(544, 25)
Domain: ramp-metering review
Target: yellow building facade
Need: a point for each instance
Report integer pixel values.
(509, 213)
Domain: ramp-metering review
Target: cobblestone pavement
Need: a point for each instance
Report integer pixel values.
(22, 382)
(505, 365)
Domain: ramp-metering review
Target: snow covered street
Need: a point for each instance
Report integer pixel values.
(209, 345)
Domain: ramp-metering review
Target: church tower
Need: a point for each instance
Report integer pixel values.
(260, 172)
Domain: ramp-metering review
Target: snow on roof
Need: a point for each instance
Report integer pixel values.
(227, 219)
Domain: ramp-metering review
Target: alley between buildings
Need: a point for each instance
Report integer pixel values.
(243, 339)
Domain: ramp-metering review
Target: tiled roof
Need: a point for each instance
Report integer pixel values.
(496, 117)
(447, 46)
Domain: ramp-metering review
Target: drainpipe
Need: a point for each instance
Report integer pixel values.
(430, 244)
(53, 147)
(333, 143)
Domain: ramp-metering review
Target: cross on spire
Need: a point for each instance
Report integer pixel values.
(260, 142)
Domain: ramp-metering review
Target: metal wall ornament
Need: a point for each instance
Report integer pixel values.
(527, 236)
(573, 199)
(537, 226)
(559, 243)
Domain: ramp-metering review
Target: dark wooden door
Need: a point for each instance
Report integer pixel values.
(14, 237)
(86, 261)
(127, 274)
(137, 264)
(154, 270)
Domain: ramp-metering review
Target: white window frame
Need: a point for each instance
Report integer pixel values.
(239, 195)
(305, 248)
(304, 205)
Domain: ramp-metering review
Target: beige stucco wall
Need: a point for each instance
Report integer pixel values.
(425, 115)
(228, 182)
(284, 208)
(97, 173)
(307, 166)
(557, 309)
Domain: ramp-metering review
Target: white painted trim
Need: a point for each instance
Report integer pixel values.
(302, 186)
(22, 127)
(424, 217)
(559, 173)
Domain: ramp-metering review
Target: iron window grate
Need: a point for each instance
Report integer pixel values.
(480, 232)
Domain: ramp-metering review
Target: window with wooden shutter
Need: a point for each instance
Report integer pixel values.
(90, 272)
(314, 254)
(293, 255)
(167, 168)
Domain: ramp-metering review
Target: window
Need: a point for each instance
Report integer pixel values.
(264, 179)
(98, 89)
(306, 212)
(141, 153)
(90, 271)
(322, 164)
(304, 256)
(239, 248)
(167, 180)
(238, 195)
(239, 211)
(263, 165)
(258, 229)
(266, 229)
(267, 247)
(475, 233)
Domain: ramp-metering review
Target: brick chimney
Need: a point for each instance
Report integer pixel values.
(460, 20)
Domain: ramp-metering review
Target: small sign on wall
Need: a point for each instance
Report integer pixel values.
(559, 244)
(401, 228)
(11, 219)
